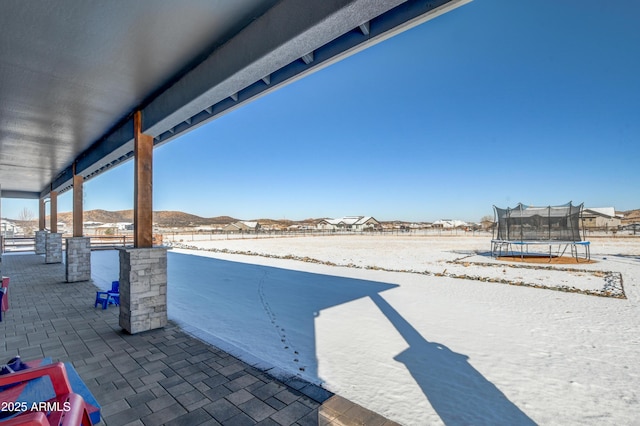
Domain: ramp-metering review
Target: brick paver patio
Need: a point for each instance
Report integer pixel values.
(157, 377)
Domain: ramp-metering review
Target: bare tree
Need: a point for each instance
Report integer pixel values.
(25, 217)
(487, 222)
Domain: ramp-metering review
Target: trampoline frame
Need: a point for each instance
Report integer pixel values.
(501, 248)
(556, 246)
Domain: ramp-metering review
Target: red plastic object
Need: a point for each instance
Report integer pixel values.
(73, 410)
(36, 418)
(5, 300)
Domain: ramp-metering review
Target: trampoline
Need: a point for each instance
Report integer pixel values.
(523, 230)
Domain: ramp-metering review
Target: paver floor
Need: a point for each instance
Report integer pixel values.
(157, 377)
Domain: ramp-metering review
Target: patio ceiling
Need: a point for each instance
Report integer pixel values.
(73, 72)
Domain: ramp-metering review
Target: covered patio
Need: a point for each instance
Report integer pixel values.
(87, 86)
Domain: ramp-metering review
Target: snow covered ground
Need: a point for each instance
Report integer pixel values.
(423, 330)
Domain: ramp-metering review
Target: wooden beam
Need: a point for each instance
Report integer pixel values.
(53, 216)
(78, 180)
(42, 215)
(143, 186)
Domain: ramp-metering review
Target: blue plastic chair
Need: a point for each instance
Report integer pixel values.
(111, 297)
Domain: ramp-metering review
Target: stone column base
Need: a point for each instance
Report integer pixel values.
(41, 243)
(78, 259)
(53, 248)
(143, 289)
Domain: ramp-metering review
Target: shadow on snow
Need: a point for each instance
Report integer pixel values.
(268, 314)
(457, 392)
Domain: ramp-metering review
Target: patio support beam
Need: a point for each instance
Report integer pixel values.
(42, 215)
(78, 180)
(143, 268)
(53, 215)
(53, 240)
(41, 233)
(143, 186)
(78, 248)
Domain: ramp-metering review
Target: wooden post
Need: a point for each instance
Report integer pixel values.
(42, 215)
(143, 186)
(54, 212)
(78, 180)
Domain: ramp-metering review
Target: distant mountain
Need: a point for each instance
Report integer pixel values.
(171, 219)
(286, 222)
(630, 216)
(181, 219)
(162, 218)
(175, 219)
(102, 216)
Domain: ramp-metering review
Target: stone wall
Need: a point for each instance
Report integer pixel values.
(143, 289)
(78, 259)
(53, 248)
(41, 243)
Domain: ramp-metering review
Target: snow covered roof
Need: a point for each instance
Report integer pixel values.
(445, 223)
(242, 225)
(350, 220)
(603, 211)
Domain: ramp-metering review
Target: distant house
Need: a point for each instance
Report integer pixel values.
(242, 226)
(600, 217)
(349, 223)
(487, 223)
(106, 228)
(8, 228)
(208, 228)
(449, 224)
(420, 225)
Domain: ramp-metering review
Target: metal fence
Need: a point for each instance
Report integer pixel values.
(101, 242)
(18, 244)
(28, 244)
(186, 236)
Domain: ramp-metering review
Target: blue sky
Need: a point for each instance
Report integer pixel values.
(496, 102)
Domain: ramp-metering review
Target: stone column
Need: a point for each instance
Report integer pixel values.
(78, 259)
(143, 289)
(41, 242)
(53, 248)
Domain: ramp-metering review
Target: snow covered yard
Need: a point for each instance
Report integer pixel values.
(410, 327)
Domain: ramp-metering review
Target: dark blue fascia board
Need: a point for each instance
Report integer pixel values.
(106, 150)
(20, 194)
(352, 40)
(117, 146)
(104, 154)
(403, 13)
(62, 178)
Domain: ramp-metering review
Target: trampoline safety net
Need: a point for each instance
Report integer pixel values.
(528, 223)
